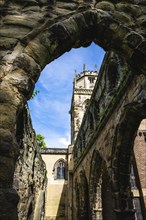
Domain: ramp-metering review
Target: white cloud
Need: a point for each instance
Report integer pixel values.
(65, 141)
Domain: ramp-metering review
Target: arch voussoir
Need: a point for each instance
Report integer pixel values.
(84, 27)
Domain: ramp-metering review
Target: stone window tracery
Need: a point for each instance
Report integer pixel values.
(59, 170)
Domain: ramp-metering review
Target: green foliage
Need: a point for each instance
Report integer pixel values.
(35, 92)
(40, 141)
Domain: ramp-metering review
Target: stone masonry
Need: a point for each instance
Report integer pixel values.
(30, 172)
(102, 153)
(82, 89)
(35, 32)
(56, 191)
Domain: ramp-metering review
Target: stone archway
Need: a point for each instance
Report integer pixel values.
(100, 192)
(122, 156)
(107, 198)
(34, 43)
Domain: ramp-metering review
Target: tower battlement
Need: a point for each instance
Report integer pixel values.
(85, 79)
(87, 73)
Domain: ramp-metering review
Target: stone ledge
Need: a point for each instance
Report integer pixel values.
(54, 151)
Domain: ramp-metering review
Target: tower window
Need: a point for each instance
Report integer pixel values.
(91, 79)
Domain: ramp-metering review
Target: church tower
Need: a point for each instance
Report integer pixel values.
(82, 90)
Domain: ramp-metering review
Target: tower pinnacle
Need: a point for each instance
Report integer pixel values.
(84, 67)
(96, 67)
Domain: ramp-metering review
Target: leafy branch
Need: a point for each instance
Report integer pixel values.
(40, 141)
(35, 92)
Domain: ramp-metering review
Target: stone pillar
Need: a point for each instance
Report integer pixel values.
(17, 82)
(8, 152)
(97, 207)
(70, 196)
(125, 214)
(124, 207)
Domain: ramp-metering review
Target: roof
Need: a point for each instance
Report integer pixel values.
(54, 151)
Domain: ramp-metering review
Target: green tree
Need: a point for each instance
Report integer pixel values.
(40, 141)
(35, 92)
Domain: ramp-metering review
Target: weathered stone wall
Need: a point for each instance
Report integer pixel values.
(30, 172)
(56, 191)
(35, 32)
(117, 107)
(38, 29)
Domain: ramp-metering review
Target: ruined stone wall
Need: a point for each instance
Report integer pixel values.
(117, 107)
(35, 32)
(30, 172)
(110, 98)
(38, 29)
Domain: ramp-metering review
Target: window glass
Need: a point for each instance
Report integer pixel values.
(59, 170)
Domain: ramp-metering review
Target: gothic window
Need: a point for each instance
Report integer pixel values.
(59, 169)
(144, 133)
(96, 110)
(91, 121)
(132, 179)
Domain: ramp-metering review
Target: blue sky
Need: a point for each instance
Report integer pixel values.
(50, 108)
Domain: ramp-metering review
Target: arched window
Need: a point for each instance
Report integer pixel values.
(59, 169)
